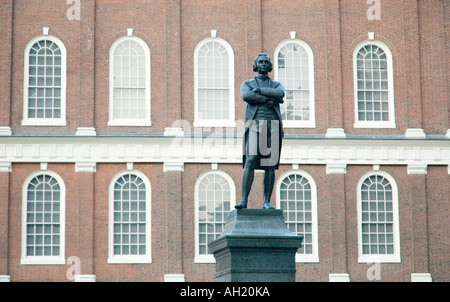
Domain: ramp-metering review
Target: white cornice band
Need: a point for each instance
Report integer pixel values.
(177, 151)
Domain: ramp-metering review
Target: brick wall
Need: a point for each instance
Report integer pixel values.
(415, 31)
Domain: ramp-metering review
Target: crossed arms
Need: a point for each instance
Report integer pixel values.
(258, 96)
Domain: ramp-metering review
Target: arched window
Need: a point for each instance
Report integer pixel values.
(214, 84)
(297, 197)
(378, 218)
(45, 82)
(129, 83)
(294, 68)
(214, 198)
(43, 211)
(129, 218)
(374, 88)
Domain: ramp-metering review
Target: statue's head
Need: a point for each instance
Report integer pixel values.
(259, 57)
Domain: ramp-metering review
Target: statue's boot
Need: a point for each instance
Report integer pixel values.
(269, 181)
(241, 204)
(267, 206)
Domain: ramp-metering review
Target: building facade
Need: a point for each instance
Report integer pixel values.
(121, 135)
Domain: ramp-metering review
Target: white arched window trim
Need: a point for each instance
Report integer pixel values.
(129, 258)
(314, 257)
(209, 258)
(130, 122)
(231, 122)
(391, 258)
(44, 260)
(61, 121)
(311, 123)
(390, 74)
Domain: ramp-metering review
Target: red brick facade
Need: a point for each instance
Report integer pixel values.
(417, 34)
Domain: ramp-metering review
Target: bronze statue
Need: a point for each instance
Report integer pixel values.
(263, 129)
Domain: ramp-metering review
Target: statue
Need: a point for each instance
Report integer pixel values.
(263, 129)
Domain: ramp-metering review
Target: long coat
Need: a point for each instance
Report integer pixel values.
(253, 100)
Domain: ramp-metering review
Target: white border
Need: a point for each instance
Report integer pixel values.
(215, 123)
(390, 74)
(130, 122)
(44, 121)
(129, 258)
(312, 112)
(395, 258)
(305, 258)
(42, 260)
(210, 257)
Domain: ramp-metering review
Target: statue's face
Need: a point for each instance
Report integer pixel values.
(263, 64)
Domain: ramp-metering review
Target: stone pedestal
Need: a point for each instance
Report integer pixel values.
(255, 246)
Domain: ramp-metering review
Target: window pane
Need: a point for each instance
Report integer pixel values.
(129, 215)
(214, 83)
(295, 202)
(369, 71)
(293, 73)
(47, 212)
(377, 222)
(44, 72)
(129, 81)
(217, 191)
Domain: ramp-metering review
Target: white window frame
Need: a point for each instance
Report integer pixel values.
(376, 258)
(130, 122)
(209, 258)
(61, 121)
(231, 122)
(311, 123)
(390, 75)
(304, 258)
(43, 260)
(129, 258)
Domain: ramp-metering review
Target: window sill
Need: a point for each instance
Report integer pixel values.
(215, 123)
(205, 259)
(44, 122)
(130, 123)
(374, 125)
(306, 258)
(129, 259)
(299, 124)
(379, 259)
(43, 260)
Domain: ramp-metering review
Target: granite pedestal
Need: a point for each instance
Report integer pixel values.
(255, 246)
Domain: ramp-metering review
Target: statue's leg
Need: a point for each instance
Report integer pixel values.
(247, 180)
(269, 171)
(269, 181)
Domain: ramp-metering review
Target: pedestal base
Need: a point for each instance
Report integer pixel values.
(255, 246)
